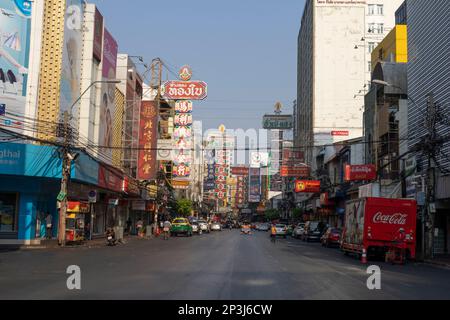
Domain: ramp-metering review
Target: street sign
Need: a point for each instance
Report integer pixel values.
(2, 109)
(278, 122)
(184, 90)
(92, 196)
(61, 196)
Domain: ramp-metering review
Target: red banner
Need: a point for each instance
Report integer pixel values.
(360, 172)
(240, 171)
(184, 90)
(148, 125)
(296, 172)
(290, 156)
(307, 186)
(110, 178)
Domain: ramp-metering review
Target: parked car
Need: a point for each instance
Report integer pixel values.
(204, 226)
(281, 230)
(331, 237)
(313, 231)
(215, 226)
(298, 230)
(181, 226)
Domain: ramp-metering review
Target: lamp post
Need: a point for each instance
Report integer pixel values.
(67, 159)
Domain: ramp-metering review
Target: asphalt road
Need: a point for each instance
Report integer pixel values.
(221, 265)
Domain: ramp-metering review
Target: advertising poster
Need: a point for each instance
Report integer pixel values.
(107, 105)
(98, 36)
(71, 60)
(147, 163)
(15, 31)
(254, 193)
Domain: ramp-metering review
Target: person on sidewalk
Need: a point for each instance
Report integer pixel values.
(139, 226)
(49, 225)
(166, 229)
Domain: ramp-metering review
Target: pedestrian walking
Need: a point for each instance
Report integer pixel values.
(273, 233)
(166, 229)
(129, 226)
(49, 225)
(139, 226)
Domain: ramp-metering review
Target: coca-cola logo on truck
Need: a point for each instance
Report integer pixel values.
(396, 218)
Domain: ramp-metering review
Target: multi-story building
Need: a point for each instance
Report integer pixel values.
(428, 89)
(335, 43)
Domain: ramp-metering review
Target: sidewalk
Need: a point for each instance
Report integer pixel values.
(439, 261)
(53, 244)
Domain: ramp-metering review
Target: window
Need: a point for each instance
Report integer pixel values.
(371, 10)
(380, 28)
(371, 46)
(371, 28)
(8, 208)
(380, 9)
(369, 66)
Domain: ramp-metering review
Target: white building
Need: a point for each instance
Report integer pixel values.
(334, 52)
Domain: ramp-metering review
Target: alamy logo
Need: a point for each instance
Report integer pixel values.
(374, 280)
(74, 280)
(74, 17)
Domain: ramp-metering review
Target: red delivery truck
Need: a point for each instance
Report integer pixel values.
(373, 225)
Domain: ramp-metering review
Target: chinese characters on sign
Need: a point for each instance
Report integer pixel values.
(147, 165)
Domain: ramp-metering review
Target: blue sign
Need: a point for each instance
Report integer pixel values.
(2, 109)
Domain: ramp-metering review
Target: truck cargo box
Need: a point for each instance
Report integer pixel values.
(374, 224)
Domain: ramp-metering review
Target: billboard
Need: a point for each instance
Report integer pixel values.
(240, 171)
(15, 31)
(364, 172)
(148, 125)
(254, 193)
(107, 104)
(98, 35)
(259, 159)
(184, 90)
(278, 122)
(295, 171)
(307, 186)
(71, 60)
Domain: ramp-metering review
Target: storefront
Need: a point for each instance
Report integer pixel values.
(30, 181)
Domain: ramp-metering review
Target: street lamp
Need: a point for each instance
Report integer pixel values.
(67, 164)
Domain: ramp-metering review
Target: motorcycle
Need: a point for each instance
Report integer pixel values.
(111, 237)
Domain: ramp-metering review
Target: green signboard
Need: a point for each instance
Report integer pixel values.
(278, 122)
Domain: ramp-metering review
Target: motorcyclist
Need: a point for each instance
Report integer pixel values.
(111, 237)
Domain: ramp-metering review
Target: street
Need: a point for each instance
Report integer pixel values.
(222, 265)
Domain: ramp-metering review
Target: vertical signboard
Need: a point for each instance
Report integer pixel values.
(254, 193)
(15, 25)
(107, 103)
(147, 163)
(98, 36)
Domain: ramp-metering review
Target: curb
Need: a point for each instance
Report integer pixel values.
(437, 263)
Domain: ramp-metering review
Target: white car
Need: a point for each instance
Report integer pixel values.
(204, 226)
(195, 228)
(215, 226)
(263, 227)
(281, 230)
(298, 230)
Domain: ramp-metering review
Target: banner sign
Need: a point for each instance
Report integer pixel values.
(360, 172)
(184, 90)
(307, 186)
(340, 133)
(240, 171)
(183, 119)
(164, 147)
(148, 126)
(180, 184)
(292, 157)
(295, 171)
(254, 194)
(259, 159)
(183, 106)
(98, 35)
(278, 122)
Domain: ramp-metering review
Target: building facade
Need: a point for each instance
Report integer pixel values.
(428, 89)
(334, 63)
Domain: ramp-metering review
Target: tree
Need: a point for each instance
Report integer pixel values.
(184, 207)
(297, 213)
(272, 214)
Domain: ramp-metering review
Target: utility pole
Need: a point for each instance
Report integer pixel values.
(66, 168)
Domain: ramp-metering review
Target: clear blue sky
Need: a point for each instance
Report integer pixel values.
(246, 50)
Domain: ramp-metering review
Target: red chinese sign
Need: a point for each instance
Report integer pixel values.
(110, 178)
(295, 171)
(183, 119)
(240, 171)
(307, 186)
(290, 156)
(184, 90)
(340, 133)
(183, 106)
(147, 164)
(360, 172)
